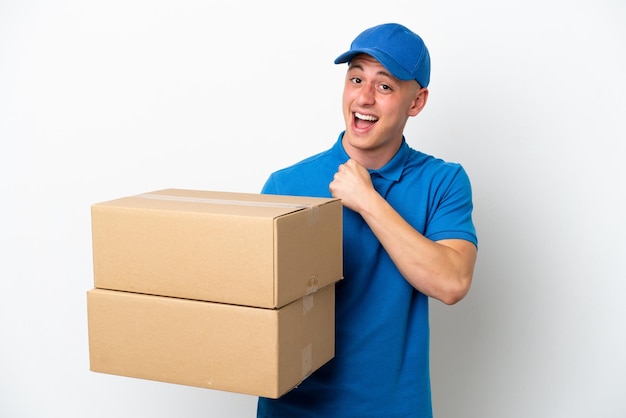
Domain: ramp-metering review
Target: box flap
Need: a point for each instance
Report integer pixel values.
(231, 203)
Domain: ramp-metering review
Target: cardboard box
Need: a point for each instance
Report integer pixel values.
(237, 248)
(256, 351)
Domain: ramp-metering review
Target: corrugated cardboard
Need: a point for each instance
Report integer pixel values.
(238, 248)
(256, 351)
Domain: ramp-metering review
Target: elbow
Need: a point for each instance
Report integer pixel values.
(456, 291)
(453, 283)
(452, 298)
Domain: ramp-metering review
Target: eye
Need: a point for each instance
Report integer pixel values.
(385, 87)
(355, 80)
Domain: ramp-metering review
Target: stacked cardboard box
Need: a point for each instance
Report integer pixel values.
(230, 291)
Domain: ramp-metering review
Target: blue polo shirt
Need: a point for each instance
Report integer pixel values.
(381, 364)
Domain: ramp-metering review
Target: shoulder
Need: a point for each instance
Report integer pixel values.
(309, 177)
(308, 164)
(429, 168)
(446, 187)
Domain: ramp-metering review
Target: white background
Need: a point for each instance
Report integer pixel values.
(100, 100)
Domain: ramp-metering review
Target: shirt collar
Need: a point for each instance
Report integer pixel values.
(392, 171)
(340, 154)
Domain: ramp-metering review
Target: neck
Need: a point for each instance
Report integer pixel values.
(372, 159)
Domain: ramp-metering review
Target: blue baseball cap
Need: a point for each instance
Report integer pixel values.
(398, 49)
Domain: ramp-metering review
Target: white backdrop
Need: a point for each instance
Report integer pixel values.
(100, 100)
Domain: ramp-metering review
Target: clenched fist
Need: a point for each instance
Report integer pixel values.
(353, 185)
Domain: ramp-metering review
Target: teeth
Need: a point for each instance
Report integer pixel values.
(366, 117)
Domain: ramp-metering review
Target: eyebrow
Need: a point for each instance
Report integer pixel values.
(381, 72)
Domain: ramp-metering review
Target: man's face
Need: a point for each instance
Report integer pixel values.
(376, 106)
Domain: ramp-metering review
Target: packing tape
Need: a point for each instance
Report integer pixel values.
(307, 361)
(313, 215)
(307, 303)
(230, 202)
(312, 285)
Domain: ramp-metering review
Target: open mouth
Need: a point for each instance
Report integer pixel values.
(364, 121)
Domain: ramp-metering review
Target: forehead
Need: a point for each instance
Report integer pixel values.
(362, 60)
(369, 64)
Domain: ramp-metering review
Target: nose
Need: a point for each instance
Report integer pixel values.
(366, 94)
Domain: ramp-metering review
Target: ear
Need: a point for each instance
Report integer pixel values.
(421, 97)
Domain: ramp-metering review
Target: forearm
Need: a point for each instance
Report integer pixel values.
(442, 270)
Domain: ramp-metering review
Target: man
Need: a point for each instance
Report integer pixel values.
(408, 235)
